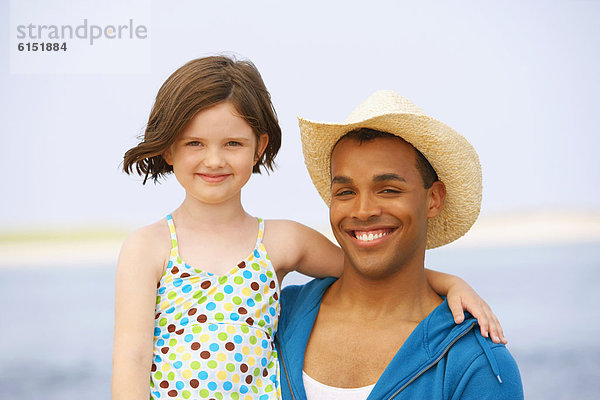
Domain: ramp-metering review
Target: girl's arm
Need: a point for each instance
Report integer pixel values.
(461, 297)
(138, 271)
(314, 255)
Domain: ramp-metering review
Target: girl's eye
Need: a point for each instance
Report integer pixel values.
(193, 143)
(233, 143)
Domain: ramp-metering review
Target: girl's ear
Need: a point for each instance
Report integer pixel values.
(261, 146)
(435, 198)
(168, 157)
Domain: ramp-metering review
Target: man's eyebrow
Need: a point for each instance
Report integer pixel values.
(388, 177)
(341, 180)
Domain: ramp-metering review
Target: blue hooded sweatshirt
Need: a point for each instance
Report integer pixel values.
(439, 360)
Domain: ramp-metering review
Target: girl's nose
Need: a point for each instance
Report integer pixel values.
(214, 158)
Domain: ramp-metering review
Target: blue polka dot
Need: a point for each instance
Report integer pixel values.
(170, 264)
(213, 327)
(272, 311)
(177, 282)
(238, 357)
(214, 347)
(234, 316)
(177, 364)
(184, 321)
(227, 385)
(264, 397)
(243, 389)
(156, 331)
(250, 302)
(156, 394)
(267, 319)
(170, 310)
(186, 289)
(265, 344)
(228, 289)
(166, 335)
(273, 378)
(202, 375)
(179, 385)
(256, 253)
(237, 339)
(211, 306)
(157, 359)
(162, 290)
(247, 274)
(160, 342)
(263, 362)
(263, 278)
(188, 338)
(212, 386)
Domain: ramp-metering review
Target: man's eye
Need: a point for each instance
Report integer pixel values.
(391, 191)
(344, 193)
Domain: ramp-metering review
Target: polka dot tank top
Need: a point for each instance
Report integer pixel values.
(213, 335)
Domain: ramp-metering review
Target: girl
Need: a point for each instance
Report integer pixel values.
(197, 293)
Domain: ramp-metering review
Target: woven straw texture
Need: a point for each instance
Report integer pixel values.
(450, 154)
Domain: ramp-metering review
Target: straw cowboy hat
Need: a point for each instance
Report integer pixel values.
(451, 155)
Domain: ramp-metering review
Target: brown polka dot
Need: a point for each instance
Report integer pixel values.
(249, 321)
(275, 296)
(254, 286)
(158, 285)
(201, 318)
(242, 310)
(265, 372)
(272, 285)
(184, 275)
(153, 369)
(192, 311)
(194, 383)
(242, 265)
(179, 332)
(164, 350)
(229, 346)
(157, 315)
(171, 328)
(164, 384)
(249, 379)
(172, 393)
(205, 285)
(244, 368)
(174, 270)
(205, 354)
(195, 346)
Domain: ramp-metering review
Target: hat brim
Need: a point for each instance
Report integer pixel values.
(452, 157)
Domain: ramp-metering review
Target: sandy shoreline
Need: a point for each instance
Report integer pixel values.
(489, 231)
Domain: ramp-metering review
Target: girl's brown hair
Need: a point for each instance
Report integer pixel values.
(198, 85)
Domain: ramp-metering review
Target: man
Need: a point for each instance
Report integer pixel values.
(397, 182)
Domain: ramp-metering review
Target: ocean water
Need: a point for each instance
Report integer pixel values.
(56, 322)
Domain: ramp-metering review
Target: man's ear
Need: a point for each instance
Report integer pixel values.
(435, 198)
(168, 156)
(261, 146)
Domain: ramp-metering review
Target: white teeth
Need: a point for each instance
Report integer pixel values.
(364, 237)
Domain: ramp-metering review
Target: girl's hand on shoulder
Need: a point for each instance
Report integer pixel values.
(462, 297)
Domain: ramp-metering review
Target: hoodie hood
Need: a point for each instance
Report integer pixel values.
(429, 343)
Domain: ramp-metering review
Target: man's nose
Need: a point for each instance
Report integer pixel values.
(366, 207)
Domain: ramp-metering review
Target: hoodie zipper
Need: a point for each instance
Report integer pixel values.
(287, 377)
(432, 364)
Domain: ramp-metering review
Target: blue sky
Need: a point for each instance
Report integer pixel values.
(519, 80)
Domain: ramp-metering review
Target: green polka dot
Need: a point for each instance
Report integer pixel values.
(237, 300)
(269, 388)
(178, 315)
(195, 365)
(253, 339)
(222, 336)
(219, 396)
(171, 295)
(204, 393)
(202, 299)
(173, 243)
(255, 266)
(179, 260)
(186, 394)
(198, 271)
(256, 371)
(222, 279)
(158, 299)
(172, 357)
(258, 298)
(238, 279)
(261, 323)
(235, 396)
(158, 375)
(271, 365)
(172, 342)
(212, 364)
(162, 322)
(230, 367)
(254, 389)
(219, 316)
(271, 301)
(171, 376)
(219, 296)
(197, 294)
(244, 329)
(197, 329)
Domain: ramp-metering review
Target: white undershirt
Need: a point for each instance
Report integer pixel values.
(319, 391)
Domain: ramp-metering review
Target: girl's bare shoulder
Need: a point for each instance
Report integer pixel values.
(149, 245)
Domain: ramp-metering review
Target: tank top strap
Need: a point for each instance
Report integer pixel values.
(261, 230)
(172, 231)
